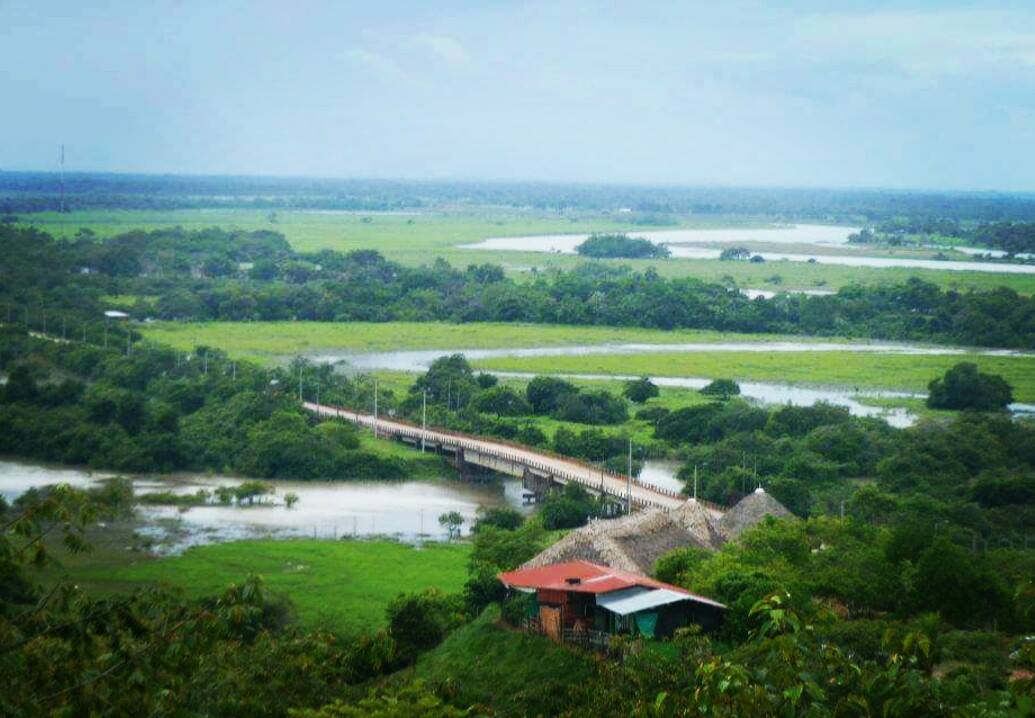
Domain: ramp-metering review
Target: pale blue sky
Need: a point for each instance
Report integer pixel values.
(922, 94)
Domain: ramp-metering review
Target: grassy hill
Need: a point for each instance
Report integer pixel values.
(515, 673)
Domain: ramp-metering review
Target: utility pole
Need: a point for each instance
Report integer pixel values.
(629, 478)
(423, 427)
(61, 161)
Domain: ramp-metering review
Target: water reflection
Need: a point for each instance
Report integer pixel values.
(661, 473)
(420, 360)
(405, 510)
(686, 244)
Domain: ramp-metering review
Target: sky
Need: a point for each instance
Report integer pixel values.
(931, 95)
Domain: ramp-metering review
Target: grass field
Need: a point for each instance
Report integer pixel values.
(266, 341)
(341, 585)
(419, 238)
(865, 371)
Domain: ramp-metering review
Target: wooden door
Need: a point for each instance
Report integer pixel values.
(550, 620)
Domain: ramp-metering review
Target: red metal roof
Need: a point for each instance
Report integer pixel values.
(592, 578)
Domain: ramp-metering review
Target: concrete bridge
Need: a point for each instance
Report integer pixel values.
(539, 470)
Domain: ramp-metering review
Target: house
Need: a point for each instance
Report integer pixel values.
(580, 600)
(635, 542)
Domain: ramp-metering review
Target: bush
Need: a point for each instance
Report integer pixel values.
(419, 621)
(501, 517)
(722, 388)
(640, 390)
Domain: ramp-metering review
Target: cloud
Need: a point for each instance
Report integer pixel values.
(444, 49)
(377, 64)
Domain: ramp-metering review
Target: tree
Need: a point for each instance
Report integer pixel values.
(734, 253)
(568, 509)
(640, 390)
(451, 522)
(546, 393)
(290, 499)
(501, 401)
(964, 387)
(722, 388)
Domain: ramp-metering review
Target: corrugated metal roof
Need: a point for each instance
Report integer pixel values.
(587, 577)
(641, 599)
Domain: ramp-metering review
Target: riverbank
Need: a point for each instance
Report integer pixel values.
(907, 373)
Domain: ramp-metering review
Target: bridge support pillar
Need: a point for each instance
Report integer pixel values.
(538, 486)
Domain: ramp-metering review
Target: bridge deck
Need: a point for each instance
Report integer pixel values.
(559, 468)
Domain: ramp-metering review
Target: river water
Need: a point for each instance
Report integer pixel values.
(687, 244)
(405, 510)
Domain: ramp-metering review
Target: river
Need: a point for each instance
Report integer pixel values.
(691, 244)
(764, 392)
(405, 510)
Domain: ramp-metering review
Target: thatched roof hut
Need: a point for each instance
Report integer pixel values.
(749, 512)
(635, 542)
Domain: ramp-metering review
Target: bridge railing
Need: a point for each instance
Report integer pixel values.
(467, 441)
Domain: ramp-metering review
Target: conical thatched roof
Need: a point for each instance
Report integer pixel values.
(699, 522)
(749, 512)
(635, 542)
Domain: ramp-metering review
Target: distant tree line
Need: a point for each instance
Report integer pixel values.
(25, 192)
(223, 275)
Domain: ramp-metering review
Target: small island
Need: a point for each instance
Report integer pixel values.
(621, 246)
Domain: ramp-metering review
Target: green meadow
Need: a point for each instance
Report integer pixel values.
(850, 369)
(340, 585)
(419, 238)
(265, 341)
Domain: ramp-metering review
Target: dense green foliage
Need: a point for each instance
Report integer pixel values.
(200, 275)
(568, 508)
(157, 410)
(621, 246)
(964, 387)
(974, 471)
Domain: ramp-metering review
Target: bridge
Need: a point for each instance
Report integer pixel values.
(538, 469)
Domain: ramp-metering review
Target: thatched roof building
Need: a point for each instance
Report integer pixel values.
(749, 512)
(636, 542)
